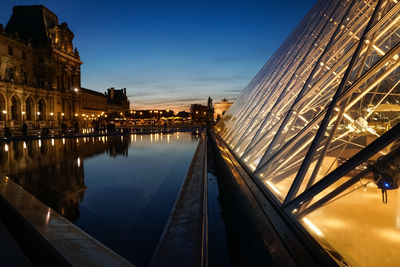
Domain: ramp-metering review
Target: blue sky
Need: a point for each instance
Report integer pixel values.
(173, 53)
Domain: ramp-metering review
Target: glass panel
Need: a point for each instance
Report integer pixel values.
(331, 219)
(368, 109)
(318, 92)
(279, 173)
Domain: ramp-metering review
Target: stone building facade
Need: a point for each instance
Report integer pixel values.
(94, 104)
(221, 107)
(40, 77)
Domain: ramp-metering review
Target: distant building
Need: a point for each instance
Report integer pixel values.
(95, 104)
(40, 76)
(198, 112)
(221, 107)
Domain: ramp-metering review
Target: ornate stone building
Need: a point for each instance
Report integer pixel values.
(40, 78)
(95, 104)
(221, 107)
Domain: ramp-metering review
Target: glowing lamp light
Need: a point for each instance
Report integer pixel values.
(312, 227)
(38, 113)
(62, 114)
(23, 112)
(4, 111)
(51, 113)
(76, 89)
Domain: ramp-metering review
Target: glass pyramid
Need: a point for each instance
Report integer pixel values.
(318, 126)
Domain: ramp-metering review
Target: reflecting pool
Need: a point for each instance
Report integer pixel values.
(119, 189)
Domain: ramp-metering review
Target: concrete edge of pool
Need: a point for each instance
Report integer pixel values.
(46, 237)
(184, 239)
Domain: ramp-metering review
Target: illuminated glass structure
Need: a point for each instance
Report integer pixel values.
(318, 128)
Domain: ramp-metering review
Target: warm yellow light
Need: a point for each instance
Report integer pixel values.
(134, 112)
(197, 112)
(270, 185)
(51, 113)
(312, 226)
(120, 113)
(62, 114)
(76, 89)
(131, 111)
(23, 112)
(38, 113)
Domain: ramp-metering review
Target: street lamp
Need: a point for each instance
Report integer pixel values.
(5, 117)
(51, 120)
(37, 119)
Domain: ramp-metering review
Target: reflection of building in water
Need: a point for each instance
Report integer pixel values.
(53, 169)
(118, 148)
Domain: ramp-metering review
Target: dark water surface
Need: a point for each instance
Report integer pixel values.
(118, 189)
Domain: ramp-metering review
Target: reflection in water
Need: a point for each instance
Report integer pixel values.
(106, 184)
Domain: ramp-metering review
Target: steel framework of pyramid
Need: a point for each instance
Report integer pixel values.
(317, 128)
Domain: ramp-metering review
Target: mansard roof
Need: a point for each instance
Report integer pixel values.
(31, 23)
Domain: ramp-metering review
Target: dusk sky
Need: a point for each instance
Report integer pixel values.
(170, 54)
